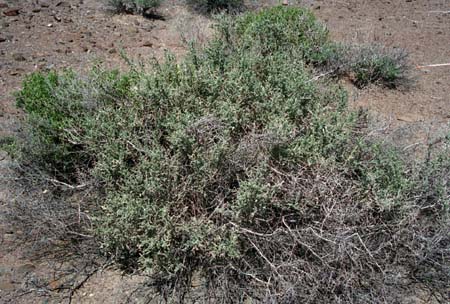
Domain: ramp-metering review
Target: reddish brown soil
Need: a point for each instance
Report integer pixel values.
(422, 113)
(54, 34)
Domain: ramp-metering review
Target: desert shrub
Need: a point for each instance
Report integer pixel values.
(57, 107)
(281, 28)
(375, 64)
(366, 64)
(215, 6)
(237, 166)
(133, 6)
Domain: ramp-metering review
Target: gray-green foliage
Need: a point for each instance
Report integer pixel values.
(230, 162)
(133, 6)
(366, 64)
(375, 64)
(215, 6)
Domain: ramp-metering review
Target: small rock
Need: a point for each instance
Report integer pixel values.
(2, 39)
(8, 237)
(50, 25)
(12, 12)
(44, 3)
(147, 44)
(18, 57)
(3, 5)
(57, 18)
(54, 284)
(63, 4)
(112, 51)
(405, 118)
(36, 10)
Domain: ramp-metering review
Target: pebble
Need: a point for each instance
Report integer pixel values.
(63, 4)
(11, 12)
(2, 39)
(18, 57)
(44, 3)
(54, 284)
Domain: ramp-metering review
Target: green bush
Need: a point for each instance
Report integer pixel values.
(366, 64)
(376, 64)
(58, 108)
(133, 6)
(282, 29)
(236, 165)
(215, 6)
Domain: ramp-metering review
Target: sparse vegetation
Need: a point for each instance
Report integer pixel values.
(216, 6)
(375, 64)
(133, 6)
(238, 166)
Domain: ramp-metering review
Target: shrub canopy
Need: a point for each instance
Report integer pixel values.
(237, 165)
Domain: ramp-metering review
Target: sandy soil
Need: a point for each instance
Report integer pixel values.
(54, 34)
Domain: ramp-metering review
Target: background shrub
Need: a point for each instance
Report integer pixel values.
(282, 28)
(375, 64)
(366, 64)
(238, 166)
(133, 6)
(215, 6)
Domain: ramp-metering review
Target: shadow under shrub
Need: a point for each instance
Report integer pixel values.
(239, 167)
